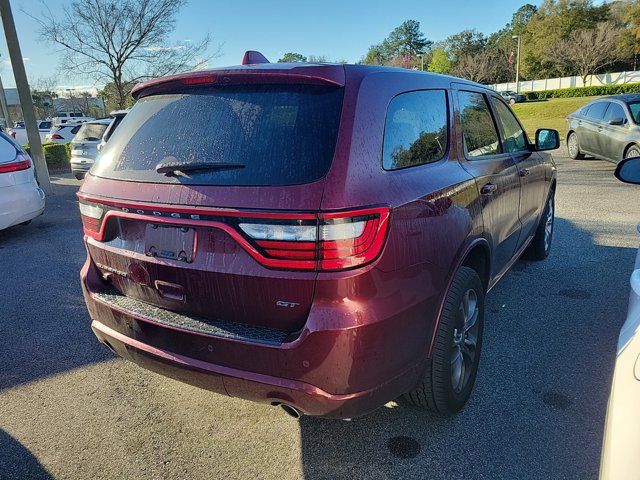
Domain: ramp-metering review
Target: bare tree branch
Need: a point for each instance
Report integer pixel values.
(121, 42)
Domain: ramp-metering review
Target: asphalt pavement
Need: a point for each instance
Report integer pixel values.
(70, 409)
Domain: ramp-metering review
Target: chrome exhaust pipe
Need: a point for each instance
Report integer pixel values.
(292, 411)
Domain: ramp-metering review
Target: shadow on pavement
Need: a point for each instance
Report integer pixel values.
(44, 325)
(17, 462)
(542, 387)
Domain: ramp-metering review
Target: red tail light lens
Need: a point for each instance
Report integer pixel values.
(57, 136)
(92, 215)
(337, 241)
(21, 162)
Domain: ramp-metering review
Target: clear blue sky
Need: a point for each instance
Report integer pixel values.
(339, 29)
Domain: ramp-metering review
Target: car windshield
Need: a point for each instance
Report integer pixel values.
(635, 111)
(280, 134)
(91, 132)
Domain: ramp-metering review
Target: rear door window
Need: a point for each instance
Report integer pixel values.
(277, 134)
(479, 132)
(415, 129)
(596, 111)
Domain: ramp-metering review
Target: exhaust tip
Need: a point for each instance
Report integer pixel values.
(291, 411)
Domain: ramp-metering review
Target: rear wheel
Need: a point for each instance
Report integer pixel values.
(79, 176)
(541, 243)
(632, 151)
(574, 147)
(512, 101)
(451, 370)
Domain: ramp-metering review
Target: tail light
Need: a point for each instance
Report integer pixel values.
(57, 136)
(334, 241)
(321, 242)
(92, 215)
(21, 162)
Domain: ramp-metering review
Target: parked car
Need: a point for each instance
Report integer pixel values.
(21, 200)
(84, 146)
(622, 427)
(19, 133)
(607, 128)
(316, 237)
(63, 133)
(70, 117)
(513, 97)
(117, 116)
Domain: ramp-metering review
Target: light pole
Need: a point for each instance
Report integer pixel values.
(517, 37)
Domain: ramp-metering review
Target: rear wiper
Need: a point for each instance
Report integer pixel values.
(170, 168)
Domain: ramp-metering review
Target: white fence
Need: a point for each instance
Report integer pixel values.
(568, 82)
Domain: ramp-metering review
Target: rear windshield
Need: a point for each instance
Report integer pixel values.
(90, 132)
(281, 134)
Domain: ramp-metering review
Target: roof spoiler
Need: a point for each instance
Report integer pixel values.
(251, 57)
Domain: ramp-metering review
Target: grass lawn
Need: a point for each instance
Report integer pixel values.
(548, 113)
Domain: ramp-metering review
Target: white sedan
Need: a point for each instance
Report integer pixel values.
(21, 199)
(622, 429)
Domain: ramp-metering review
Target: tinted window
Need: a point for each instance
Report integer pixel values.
(635, 111)
(75, 129)
(7, 150)
(478, 130)
(615, 111)
(514, 138)
(45, 125)
(112, 127)
(282, 134)
(596, 110)
(90, 132)
(415, 130)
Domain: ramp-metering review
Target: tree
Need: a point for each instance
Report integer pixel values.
(291, 57)
(121, 42)
(586, 52)
(554, 22)
(467, 42)
(401, 47)
(477, 68)
(440, 62)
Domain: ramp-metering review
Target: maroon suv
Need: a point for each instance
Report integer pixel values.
(319, 237)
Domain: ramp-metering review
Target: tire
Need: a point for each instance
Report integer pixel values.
(444, 388)
(541, 243)
(79, 176)
(574, 146)
(632, 151)
(512, 101)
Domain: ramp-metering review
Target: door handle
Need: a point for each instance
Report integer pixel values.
(524, 172)
(488, 189)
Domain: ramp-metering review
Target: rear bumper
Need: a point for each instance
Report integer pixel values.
(80, 164)
(339, 366)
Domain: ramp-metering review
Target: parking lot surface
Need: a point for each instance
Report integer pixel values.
(70, 409)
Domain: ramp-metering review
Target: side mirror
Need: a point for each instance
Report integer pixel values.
(547, 139)
(628, 170)
(616, 121)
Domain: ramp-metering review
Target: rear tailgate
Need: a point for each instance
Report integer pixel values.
(200, 263)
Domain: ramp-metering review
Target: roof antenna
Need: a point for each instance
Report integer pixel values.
(251, 57)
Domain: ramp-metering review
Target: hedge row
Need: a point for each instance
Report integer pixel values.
(55, 154)
(584, 91)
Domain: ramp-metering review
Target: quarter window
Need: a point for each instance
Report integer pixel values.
(514, 138)
(415, 129)
(478, 130)
(614, 112)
